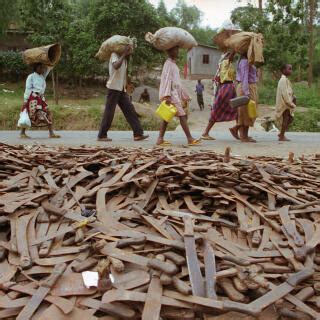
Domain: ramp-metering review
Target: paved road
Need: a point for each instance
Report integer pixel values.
(302, 143)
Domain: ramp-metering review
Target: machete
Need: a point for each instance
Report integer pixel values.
(196, 279)
(41, 293)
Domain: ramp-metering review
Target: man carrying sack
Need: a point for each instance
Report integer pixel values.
(117, 95)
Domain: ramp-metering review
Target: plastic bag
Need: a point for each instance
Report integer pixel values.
(24, 120)
(169, 37)
(115, 44)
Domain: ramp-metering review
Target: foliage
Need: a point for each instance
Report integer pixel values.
(11, 65)
(133, 18)
(188, 17)
(81, 46)
(306, 121)
(9, 11)
(282, 24)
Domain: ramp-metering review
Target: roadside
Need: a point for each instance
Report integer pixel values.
(302, 143)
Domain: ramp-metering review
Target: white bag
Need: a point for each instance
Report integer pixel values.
(24, 120)
(115, 44)
(169, 37)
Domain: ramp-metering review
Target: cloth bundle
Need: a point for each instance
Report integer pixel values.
(247, 42)
(169, 37)
(48, 55)
(115, 44)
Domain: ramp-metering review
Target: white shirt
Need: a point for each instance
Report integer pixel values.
(36, 83)
(118, 78)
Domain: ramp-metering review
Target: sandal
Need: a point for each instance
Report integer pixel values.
(196, 142)
(24, 136)
(164, 143)
(140, 138)
(207, 138)
(249, 139)
(54, 136)
(105, 139)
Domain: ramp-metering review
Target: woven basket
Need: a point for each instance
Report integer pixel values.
(48, 55)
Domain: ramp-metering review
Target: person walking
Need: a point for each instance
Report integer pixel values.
(285, 102)
(199, 91)
(172, 92)
(34, 101)
(117, 95)
(221, 110)
(246, 86)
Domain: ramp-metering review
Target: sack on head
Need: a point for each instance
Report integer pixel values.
(247, 42)
(115, 44)
(169, 37)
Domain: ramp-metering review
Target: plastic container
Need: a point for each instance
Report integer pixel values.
(166, 112)
(252, 109)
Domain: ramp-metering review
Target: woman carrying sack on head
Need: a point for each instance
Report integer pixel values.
(34, 101)
(221, 109)
(247, 86)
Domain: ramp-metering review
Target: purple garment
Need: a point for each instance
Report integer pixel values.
(199, 88)
(246, 74)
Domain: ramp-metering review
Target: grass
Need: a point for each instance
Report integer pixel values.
(308, 98)
(71, 113)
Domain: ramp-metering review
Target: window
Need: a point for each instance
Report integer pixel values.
(205, 59)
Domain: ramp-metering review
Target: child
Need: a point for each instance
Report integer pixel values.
(285, 103)
(34, 101)
(172, 92)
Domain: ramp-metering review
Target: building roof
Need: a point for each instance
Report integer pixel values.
(205, 45)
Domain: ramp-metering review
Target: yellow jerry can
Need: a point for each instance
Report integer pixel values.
(166, 112)
(252, 109)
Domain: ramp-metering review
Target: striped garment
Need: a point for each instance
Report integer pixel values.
(221, 110)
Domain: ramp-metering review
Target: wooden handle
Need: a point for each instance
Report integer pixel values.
(300, 276)
(188, 226)
(55, 275)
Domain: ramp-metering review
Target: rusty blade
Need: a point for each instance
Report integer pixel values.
(41, 293)
(196, 279)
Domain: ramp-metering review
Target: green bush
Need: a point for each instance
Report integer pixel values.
(306, 121)
(12, 65)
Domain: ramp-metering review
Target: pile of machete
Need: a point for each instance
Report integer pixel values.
(168, 234)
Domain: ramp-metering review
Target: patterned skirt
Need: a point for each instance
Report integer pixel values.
(39, 113)
(221, 110)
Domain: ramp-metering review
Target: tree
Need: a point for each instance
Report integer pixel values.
(311, 9)
(188, 17)
(8, 12)
(281, 23)
(133, 19)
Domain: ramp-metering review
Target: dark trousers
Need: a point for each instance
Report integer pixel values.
(200, 101)
(121, 98)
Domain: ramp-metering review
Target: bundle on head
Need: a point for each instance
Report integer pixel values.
(223, 35)
(247, 42)
(48, 55)
(169, 37)
(115, 44)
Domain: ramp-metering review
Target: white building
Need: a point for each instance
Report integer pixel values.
(202, 62)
